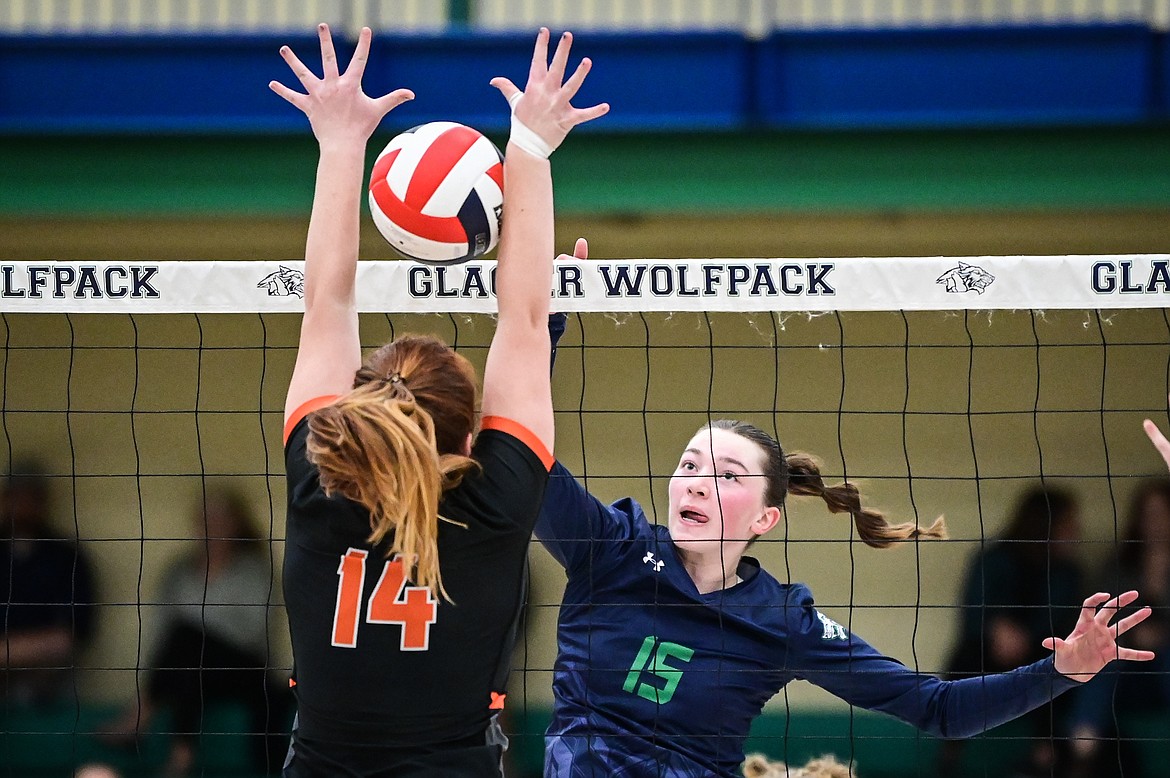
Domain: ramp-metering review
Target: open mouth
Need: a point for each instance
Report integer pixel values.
(692, 517)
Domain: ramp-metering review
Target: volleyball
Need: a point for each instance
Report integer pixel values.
(437, 193)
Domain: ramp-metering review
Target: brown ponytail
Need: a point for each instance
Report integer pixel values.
(804, 478)
(394, 444)
(800, 474)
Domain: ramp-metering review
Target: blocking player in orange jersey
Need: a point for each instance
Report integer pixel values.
(407, 532)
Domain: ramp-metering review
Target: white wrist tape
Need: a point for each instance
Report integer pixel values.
(524, 137)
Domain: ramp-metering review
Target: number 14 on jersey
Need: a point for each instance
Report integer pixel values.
(392, 602)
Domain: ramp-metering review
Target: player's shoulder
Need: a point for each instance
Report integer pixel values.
(296, 453)
(804, 618)
(295, 422)
(789, 594)
(628, 506)
(503, 437)
(296, 444)
(799, 607)
(630, 511)
(798, 594)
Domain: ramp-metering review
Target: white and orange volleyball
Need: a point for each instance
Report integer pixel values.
(437, 193)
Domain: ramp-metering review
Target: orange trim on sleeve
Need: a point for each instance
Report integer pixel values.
(304, 409)
(522, 434)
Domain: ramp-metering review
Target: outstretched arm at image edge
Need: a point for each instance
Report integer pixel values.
(854, 671)
(858, 674)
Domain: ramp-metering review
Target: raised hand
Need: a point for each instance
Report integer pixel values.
(1093, 642)
(1159, 440)
(544, 106)
(338, 109)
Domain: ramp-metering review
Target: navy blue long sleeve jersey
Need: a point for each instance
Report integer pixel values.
(653, 678)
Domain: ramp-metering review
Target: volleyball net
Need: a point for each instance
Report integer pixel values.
(941, 386)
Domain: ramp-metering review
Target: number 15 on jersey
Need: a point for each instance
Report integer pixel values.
(392, 602)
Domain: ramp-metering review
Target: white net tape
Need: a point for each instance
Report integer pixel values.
(850, 284)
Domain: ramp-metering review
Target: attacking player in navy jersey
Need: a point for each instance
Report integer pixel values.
(705, 636)
(407, 533)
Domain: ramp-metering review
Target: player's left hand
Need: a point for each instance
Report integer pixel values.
(544, 106)
(1093, 642)
(1158, 439)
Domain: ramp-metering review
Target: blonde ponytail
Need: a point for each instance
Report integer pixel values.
(376, 446)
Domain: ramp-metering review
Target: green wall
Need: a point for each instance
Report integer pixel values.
(1055, 191)
(645, 173)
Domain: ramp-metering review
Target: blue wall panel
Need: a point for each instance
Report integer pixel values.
(144, 84)
(154, 83)
(1161, 78)
(959, 77)
(956, 77)
(652, 82)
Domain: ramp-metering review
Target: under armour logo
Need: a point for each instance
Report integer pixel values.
(655, 563)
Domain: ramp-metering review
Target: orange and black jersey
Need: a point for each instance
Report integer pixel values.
(379, 662)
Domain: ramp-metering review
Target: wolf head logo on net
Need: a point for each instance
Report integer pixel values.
(966, 278)
(284, 283)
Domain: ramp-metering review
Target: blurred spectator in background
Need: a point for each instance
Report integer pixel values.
(1141, 561)
(46, 596)
(1022, 587)
(213, 641)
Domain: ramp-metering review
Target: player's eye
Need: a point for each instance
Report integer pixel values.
(729, 476)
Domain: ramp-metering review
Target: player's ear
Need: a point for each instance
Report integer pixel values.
(467, 446)
(766, 520)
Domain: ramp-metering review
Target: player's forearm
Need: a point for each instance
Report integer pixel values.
(331, 248)
(975, 705)
(524, 273)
